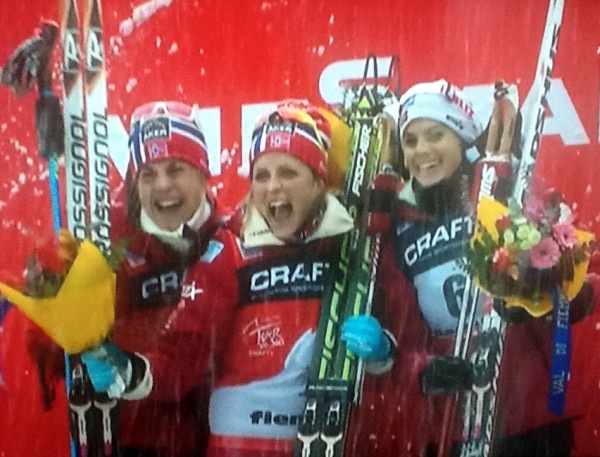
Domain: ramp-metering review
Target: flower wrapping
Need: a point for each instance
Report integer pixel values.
(520, 254)
(81, 313)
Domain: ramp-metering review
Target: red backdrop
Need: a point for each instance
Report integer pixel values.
(231, 56)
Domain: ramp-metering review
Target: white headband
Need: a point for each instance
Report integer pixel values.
(442, 102)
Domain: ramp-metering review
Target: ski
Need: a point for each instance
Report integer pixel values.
(105, 409)
(97, 128)
(479, 404)
(76, 159)
(76, 165)
(494, 173)
(87, 201)
(335, 373)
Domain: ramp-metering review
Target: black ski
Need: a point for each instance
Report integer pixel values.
(335, 374)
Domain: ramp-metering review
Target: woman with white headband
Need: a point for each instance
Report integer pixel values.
(423, 282)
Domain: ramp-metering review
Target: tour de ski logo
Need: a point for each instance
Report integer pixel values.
(263, 334)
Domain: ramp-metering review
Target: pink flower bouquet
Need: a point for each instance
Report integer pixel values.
(520, 254)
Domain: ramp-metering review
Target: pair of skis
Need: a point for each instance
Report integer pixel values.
(479, 404)
(92, 416)
(82, 136)
(335, 373)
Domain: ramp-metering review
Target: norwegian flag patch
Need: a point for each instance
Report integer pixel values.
(279, 140)
(157, 149)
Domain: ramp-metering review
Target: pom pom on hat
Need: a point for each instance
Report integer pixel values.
(297, 128)
(442, 102)
(167, 130)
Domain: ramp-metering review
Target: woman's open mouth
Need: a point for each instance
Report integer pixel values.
(280, 211)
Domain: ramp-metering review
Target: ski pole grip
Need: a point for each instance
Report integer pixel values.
(381, 202)
(492, 178)
(49, 125)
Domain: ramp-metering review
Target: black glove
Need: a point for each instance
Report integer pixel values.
(446, 375)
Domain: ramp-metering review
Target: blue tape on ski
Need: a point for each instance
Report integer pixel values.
(54, 193)
(561, 352)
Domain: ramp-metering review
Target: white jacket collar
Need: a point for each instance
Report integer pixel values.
(407, 194)
(176, 239)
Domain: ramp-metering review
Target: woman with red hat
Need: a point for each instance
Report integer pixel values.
(288, 243)
(172, 215)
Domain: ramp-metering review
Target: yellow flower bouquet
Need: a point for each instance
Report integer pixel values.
(70, 294)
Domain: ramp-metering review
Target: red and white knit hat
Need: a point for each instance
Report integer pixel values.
(297, 128)
(167, 130)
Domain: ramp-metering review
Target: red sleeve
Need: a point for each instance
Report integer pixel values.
(402, 316)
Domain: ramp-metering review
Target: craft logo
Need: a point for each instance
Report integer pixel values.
(287, 279)
(300, 274)
(438, 240)
(160, 284)
(191, 291)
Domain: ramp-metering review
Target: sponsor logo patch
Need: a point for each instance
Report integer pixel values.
(213, 250)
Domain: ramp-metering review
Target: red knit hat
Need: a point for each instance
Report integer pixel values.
(296, 128)
(167, 130)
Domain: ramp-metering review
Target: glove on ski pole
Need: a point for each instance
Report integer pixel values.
(365, 338)
(446, 375)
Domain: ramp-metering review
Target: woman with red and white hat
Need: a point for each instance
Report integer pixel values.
(172, 216)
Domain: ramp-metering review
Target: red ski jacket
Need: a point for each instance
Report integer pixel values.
(420, 286)
(148, 289)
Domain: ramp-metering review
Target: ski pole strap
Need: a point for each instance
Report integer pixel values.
(561, 352)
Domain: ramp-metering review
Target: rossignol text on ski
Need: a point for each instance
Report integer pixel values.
(92, 421)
